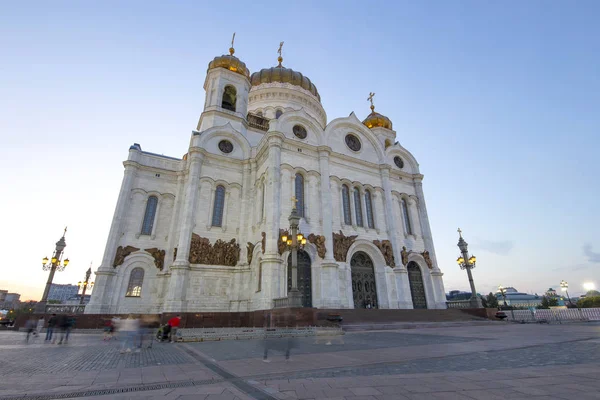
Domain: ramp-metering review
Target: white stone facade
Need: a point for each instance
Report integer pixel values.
(258, 177)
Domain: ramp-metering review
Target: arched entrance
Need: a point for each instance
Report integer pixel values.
(417, 288)
(364, 290)
(304, 278)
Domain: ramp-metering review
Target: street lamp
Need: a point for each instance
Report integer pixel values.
(54, 264)
(564, 286)
(295, 241)
(85, 284)
(468, 263)
(502, 290)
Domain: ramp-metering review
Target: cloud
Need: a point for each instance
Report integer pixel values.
(502, 248)
(592, 256)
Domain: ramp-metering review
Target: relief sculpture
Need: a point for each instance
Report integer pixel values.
(121, 253)
(385, 246)
(319, 242)
(341, 245)
(428, 260)
(159, 257)
(250, 252)
(263, 242)
(281, 246)
(404, 255)
(219, 253)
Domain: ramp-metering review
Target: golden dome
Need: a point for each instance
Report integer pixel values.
(228, 61)
(283, 75)
(375, 120)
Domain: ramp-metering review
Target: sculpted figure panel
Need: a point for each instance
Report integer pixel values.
(428, 259)
(250, 252)
(385, 246)
(341, 245)
(121, 253)
(220, 253)
(404, 254)
(159, 257)
(319, 242)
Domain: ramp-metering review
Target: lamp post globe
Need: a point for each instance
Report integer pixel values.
(53, 264)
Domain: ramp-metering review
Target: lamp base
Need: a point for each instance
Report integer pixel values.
(294, 298)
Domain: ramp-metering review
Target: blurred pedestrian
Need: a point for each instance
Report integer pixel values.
(129, 328)
(30, 326)
(109, 329)
(40, 325)
(51, 325)
(174, 324)
(62, 323)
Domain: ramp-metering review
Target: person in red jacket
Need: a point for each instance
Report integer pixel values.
(174, 324)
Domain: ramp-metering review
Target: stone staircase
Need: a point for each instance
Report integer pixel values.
(363, 319)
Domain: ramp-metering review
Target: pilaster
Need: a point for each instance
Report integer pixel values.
(403, 287)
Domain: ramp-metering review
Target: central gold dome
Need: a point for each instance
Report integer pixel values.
(284, 75)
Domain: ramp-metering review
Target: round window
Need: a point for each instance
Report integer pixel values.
(353, 142)
(225, 146)
(399, 163)
(299, 131)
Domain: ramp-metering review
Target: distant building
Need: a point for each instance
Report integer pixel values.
(62, 292)
(455, 295)
(3, 294)
(11, 301)
(518, 299)
(77, 299)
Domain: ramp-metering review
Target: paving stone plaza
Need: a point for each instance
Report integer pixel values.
(486, 361)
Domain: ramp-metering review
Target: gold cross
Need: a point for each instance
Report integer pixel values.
(232, 39)
(370, 98)
(279, 50)
(294, 200)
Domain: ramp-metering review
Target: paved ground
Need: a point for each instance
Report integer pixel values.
(508, 361)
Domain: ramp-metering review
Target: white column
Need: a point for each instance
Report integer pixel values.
(271, 262)
(414, 217)
(436, 274)
(176, 295)
(244, 235)
(330, 277)
(169, 259)
(104, 281)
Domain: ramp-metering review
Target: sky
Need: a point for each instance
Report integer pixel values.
(498, 101)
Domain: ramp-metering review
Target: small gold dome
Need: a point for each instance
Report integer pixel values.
(375, 120)
(228, 61)
(284, 75)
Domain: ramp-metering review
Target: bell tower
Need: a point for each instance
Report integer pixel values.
(227, 86)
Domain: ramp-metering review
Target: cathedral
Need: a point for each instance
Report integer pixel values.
(208, 232)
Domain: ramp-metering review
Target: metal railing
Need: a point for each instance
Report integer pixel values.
(283, 302)
(258, 122)
(555, 315)
(65, 309)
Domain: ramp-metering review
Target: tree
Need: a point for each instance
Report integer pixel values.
(491, 300)
(592, 293)
(552, 302)
(545, 304)
(589, 302)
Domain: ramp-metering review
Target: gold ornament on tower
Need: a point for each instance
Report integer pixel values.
(376, 120)
(230, 62)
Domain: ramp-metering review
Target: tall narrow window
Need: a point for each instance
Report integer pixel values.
(369, 206)
(262, 202)
(346, 203)
(149, 215)
(217, 218)
(136, 279)
(278, 114)
(300, 194)
(358, 207)
(407, 224)
(229, 98)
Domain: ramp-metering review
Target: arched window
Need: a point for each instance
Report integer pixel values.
(300, 194)
(369, 206)
(149, 215)
(346, 203)
(278, 114)
(407, 224)
(358, 207)
(229, 98)
(217, 218)
(136, 279)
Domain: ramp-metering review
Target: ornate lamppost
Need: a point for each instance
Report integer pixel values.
(502, 290)
(468, 263)
(564, 286)
(294, 242)
(52, 265)
(85, 284)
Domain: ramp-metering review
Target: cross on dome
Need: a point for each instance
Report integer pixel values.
(280, 58)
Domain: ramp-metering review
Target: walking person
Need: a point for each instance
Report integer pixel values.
(63, 324)
(40, 325)
(174, 324)
(50, 329)
(109, 328)
(129, 328)
(30, 326)
(267, 342)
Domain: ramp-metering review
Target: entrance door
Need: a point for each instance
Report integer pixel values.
(364, 290)
(304, 278)
(417, 289)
